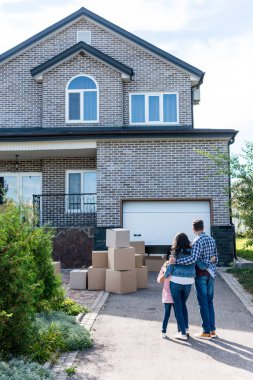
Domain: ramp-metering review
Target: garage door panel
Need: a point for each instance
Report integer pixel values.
(160, 228)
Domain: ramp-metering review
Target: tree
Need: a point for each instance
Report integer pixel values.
(242, 189)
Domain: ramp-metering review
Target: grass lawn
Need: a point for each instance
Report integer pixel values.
(245, 277)
(246, 253)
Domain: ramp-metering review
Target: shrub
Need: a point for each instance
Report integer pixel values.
(18, 288)
(18, 369)
(71, 307)
(27, 278)
(58, 332)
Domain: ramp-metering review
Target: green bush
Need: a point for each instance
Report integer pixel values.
(20, 370)
(27, 278)
(71, 307)
(18, 288)
(49, 343)
(58, 332)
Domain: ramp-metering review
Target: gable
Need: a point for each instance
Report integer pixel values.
(38, 71)
(83, 12)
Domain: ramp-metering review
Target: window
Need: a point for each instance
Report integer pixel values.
(81, 187)
(84, 35)
(82, 100)
(157, 108)
(20, 187)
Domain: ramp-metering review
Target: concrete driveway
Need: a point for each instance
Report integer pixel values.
(128, 346)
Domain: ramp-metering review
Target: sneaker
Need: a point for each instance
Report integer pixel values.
(203, 335)
(187, 332)
(213, 334)
(180, 336)
(163, 335)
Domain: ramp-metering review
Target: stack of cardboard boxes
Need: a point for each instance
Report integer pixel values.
(119, 270)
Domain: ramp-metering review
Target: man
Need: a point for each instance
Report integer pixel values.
(204, 253)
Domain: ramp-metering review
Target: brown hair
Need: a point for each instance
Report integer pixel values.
(198, 225)
(180, 242)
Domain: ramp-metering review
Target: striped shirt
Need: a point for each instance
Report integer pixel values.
(203, 248)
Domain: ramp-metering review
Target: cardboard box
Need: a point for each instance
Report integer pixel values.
(121, 282)
(142, 277)
(57, 267)
(139, 246)
(117, 238)
(154, 263)
(139, 260)
(100, 259)
(78, 279)
(121, 258)
(96, 278)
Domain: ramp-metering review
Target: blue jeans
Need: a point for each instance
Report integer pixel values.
(180, 294)
(166, 317)
(205, 290)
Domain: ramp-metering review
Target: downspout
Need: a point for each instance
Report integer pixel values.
(196, 86)
(230, 142)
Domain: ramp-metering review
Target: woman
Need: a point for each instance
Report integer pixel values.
(181, 280)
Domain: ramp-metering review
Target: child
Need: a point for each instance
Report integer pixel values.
(166, 298)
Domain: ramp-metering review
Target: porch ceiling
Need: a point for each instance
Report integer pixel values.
(47, 149)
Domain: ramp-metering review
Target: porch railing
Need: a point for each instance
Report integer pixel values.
(65, 210)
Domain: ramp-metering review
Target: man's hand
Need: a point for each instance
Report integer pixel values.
(213, 259)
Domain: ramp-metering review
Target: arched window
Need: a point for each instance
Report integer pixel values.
(82, 100)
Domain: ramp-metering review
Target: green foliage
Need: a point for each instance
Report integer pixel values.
(70, 370)
(27, 278)
(242, 190)
(71, 307)
(18, 288)
(57, 332)
(20, 370)
(242, 250)
(49, 342)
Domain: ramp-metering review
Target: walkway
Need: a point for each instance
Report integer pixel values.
(128, 344)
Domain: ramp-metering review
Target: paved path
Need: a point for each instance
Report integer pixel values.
(128, 344)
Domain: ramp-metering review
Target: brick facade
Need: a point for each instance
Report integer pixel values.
(158, 169)
(25, 103)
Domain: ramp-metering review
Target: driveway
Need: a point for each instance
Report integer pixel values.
(128, 346)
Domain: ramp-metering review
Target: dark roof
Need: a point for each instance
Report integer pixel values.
(85, 12)
(68, 133)
(82, 46)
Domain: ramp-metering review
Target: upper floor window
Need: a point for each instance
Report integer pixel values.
(82, 100)
(154, 108)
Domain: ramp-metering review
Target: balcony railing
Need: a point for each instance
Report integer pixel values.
(65, 210)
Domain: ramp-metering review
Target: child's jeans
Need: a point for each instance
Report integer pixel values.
(167, 309)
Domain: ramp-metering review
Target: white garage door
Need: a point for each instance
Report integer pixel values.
(157, 222)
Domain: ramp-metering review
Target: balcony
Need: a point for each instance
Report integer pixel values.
(65, 210)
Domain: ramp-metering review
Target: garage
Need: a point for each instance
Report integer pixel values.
(157, 222)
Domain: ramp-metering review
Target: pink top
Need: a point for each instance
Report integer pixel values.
(166, 294)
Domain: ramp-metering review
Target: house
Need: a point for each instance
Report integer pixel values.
(96, 131)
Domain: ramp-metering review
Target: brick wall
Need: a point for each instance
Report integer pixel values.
(158, 169)
(25, 103)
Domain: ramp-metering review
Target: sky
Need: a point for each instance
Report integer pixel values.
(215, 36)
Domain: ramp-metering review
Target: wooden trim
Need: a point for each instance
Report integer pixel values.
(122, 200)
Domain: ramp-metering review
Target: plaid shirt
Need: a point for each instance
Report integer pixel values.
(203, 248)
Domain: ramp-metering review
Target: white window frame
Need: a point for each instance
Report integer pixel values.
(146, 102)
(72, 211)
(80, 91)
(19, 176)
